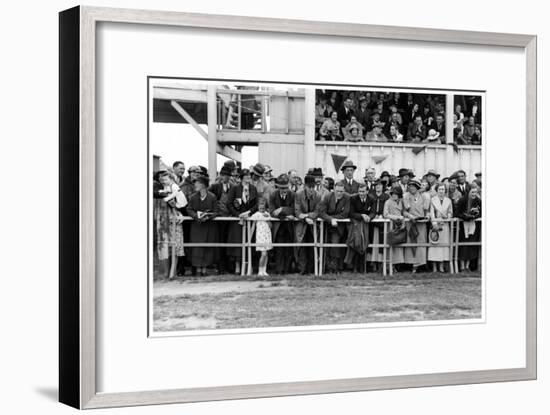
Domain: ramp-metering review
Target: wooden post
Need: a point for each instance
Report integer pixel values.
(309, 129)
(390, 261)
(212, 131)
(315, 254)
(449, 134)
(249, 242)
(384, 250)
(451, 243)
(322, 248)
(243, 249)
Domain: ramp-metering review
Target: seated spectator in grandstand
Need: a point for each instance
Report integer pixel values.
(458, 130)
(354, 134)
(241, 203)
(439, 126)
(416, 208)
(395, 117)
(469, 130)
(395, 100)
(363, 113)
(203, 207)
(322, 111)
(378, 200)
(441, 208)
(346, 111)
(417, 131)
(370, 179)
(330, 129)
(328, 184)
(475, 112)
(382, 110)
(334, 100)
(262, 229)
(306, 203)
(376, 135)
(468, 209)
(375, 120)
(458, 112)
(281, 206)
(358, 231)
(333, 207)
(411, 110)
(351, 186)
(394, 210)
(427, 113)
(432, 137)
(476, 137)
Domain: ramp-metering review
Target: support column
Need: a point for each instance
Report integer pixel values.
(212, 130)
(449, 134)
(309, 129)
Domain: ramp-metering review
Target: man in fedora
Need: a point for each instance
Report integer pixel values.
(335, 206)
(405, 175)
(462, 185)
(350, 185)
(281, 206)
(305, 205)
(317, 173)
(360, 210)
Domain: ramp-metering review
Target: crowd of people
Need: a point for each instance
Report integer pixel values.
(356, 116)
(284, 209)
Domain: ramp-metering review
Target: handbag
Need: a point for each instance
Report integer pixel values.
(397, 235)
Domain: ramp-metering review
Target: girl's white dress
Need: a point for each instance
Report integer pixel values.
(263, 231)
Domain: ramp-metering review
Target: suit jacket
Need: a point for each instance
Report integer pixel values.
(358, 208)
(377, 204)
(286, 205)
(301, 206)
(466, 190)
(462, 208)
(235, 194)
(221, 196)
(344, 117)
(352, 188)
(330, 208)
(415, 133)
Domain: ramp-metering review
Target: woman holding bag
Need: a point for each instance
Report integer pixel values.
(393, 210)
(441, 207)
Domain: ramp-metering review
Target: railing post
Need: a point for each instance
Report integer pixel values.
(315, 253)
(243, 249)
(322, 248)
(390, 262)
(451, 243)
(249, 242)
(384, 248)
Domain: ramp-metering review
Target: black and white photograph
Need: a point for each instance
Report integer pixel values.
(279, 206)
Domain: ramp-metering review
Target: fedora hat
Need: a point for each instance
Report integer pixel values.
(202, 179)
(244, 172)
(226, 171)
(396, 190)
(258, 169)
(415, 183)
(348, 164)
(432, 172)
(315, 172)
(406, 172)
(385, 173)
(281, 182)
(309, 180)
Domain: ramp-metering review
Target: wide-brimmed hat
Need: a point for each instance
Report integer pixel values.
(478, 174)
(315, 172)
(226, 171)
(267, 169)
(244, 172)
(194, 169)
(366, 170)
(385, 173)
(396, 190)
(203, 170)
(281, 182)
(258, 169)
(432, 172)
(415, 183)
(406, 172)
(230, 164)
(347, 164)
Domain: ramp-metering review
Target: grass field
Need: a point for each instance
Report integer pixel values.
(228, 301)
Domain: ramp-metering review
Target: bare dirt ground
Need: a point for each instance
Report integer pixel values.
(229, 301)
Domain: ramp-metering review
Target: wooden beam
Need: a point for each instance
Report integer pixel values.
(225, 150)
(256, 136)
(179, 94)
(309, 132)
(212, 130)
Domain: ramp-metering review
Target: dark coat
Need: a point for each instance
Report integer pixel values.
(352, 188)
(235, 208)
(221, 196)
(301, 206)
(358, 208)
(330, 208)
(377, 204)
(344, 117)
(415, 133)
(203, 231)
(466, 190)
(287, 205)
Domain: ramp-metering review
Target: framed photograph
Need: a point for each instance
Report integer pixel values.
(254, 207)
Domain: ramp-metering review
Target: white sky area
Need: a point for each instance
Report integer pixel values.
(182, 142)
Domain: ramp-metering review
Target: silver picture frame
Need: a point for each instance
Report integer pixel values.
(77, 277)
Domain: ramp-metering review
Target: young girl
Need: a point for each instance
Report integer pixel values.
(173, 194)
(263, 234)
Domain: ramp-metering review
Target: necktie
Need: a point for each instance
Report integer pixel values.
(245, 194)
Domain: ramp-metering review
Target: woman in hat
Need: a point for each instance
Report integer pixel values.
(203, 207)
(416, 209)
(441, 208)
(378, 200)
(241, 203)
(330, 129)
(394, 210)
(168, 230)
(468, 209)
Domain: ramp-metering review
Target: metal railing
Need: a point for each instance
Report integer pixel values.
(319, 245)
